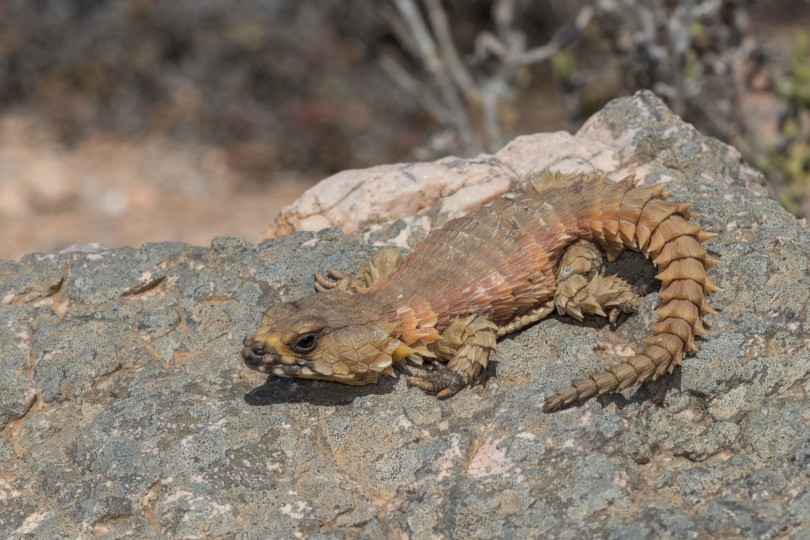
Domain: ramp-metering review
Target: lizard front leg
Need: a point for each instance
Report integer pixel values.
(466, 345)
(582, 288)
(379, 266)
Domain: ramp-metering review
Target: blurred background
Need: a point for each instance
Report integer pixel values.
(128, 121)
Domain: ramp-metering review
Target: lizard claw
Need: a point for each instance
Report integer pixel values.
(613, 315)
(441, 382)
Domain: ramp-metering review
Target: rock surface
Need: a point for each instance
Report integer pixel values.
(125, 411)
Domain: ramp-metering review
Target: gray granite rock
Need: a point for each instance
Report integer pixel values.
(126, 412)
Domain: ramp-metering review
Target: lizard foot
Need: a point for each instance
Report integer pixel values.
(582, 288)
(441, 382)
(378, 267)
(465, 345)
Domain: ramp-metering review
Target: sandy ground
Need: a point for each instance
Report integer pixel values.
(117, 192)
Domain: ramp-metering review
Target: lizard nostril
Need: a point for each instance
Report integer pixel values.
(258, 347)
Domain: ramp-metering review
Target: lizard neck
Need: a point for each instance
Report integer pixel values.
(413, 318)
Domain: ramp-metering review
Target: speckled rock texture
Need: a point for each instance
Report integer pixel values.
(125, 411)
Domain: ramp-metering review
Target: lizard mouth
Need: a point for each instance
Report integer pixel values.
(259, 357)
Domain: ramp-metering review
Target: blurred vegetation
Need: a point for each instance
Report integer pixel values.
(789, 155)
(317, 86)
(282, 85)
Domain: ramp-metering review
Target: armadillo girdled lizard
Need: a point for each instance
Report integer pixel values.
(494, 271)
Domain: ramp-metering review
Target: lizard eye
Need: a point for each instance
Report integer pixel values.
(305, 343)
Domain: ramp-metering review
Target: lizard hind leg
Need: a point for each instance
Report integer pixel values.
(674, 245)
(378, 267)
(583, 289)
(466, 345)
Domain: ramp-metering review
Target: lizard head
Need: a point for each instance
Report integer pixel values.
(330, 336)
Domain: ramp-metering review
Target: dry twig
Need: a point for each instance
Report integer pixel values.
(461, 95)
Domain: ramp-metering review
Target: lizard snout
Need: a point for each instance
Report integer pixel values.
(260, 356)
(254, 353)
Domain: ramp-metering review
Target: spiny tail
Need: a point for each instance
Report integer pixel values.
(641, 220)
